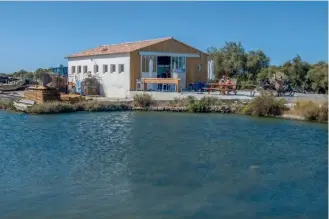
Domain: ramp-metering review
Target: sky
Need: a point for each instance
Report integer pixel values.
(41, 34)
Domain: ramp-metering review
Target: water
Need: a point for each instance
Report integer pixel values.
(159, 165)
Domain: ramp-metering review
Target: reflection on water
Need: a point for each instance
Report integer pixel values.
(158, 165)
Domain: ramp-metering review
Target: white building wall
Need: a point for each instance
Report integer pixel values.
(115, 85)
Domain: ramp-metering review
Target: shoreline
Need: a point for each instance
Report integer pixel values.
(124, 106)
(262, 106)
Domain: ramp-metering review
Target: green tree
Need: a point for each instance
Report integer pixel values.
(296, 71)
(317, 77)
(28, 75)
(268, 72)
(230, 59)
(39, 71)
(256, 61)
(20, 74)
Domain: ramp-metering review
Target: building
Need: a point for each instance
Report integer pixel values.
(118, 66)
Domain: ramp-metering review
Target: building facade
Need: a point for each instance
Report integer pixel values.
(119, 66)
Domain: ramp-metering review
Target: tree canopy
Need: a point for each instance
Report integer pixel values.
(254, 65)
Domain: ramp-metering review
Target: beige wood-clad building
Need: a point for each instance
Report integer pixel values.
(119, 66)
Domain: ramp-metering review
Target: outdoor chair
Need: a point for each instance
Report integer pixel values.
(139, 85)
(233, 87)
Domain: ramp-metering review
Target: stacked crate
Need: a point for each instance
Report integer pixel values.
(90, 87)
(41, 94)
(71, 98)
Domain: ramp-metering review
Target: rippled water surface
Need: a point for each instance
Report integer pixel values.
(158, 165)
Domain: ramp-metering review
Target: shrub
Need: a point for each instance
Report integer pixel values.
(100, 106)
(323, 112)
(211, 101)
(265, 105)
(180, 102)
(311, 110)
(51, 107)
(6, 104)
(203, 105)
(143, 100)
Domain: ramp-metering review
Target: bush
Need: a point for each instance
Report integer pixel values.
(211, 101)
(143, 100)
(323, 112)
(203, 105)
(51, 107)
(265, 105)
(311, 110)
(6, 105)
(100, 106)
(180, 102)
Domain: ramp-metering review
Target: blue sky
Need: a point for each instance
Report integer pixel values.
(41, 34)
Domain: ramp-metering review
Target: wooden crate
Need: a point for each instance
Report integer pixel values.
(71, 98)
(42, 95)
(91, 90)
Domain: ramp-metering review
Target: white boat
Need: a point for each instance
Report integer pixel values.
(22, 105)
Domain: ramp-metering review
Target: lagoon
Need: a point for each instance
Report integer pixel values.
(161, 165)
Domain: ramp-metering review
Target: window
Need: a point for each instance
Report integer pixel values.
(105, 68)
(121, 68)
(85, 69)
(73, 69)
(145, 59)
(112, 68)
(79, 69)
(95, 68)
(178, 64)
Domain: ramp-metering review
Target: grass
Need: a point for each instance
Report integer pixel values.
(203, 105)
(265, 105)
(51, 108)
(182, 102)
(140, 101)
(101, 106)
(90, 106)
(7, 105)
(312, 111)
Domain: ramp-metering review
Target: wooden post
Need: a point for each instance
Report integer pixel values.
(178, 86)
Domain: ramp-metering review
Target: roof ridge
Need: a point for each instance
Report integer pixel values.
(138, 41)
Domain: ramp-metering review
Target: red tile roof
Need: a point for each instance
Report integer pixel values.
(119, 48)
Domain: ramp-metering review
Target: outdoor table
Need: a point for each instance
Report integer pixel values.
(175, 81)
(221, 87)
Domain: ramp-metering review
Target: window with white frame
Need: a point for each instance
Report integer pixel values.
(121, 68)
(105, 68)
(95, 68)
(85, 69)
(79, 69)
(73, 69)
(112, 68)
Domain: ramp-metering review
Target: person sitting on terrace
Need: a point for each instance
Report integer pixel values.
(228, 81)
(222, 80)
